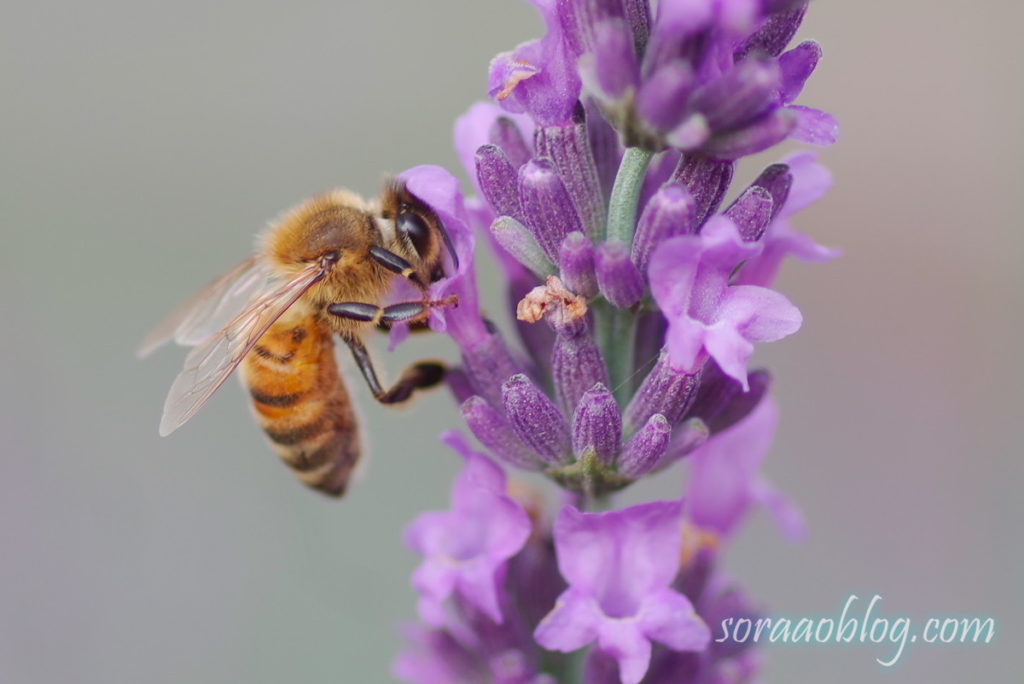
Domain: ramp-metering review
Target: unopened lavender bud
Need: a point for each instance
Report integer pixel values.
(506, 134)
(569, 147)
(690, 435)
(487, 364)
(797, 65)
(576, 261)
(706, 180)
(536, 420)
(691, 133)
(576, 365)
(661, 99)
(604, 148)
(495, 433)
(518, 241)
(638, 14)
(615, 65)
(597, 425)
(459, 384)
(617, 276)
(777, 30)
(757, 137)
(498, 181)
(547, 208)
(721, 401)
(751, 212)
(740, 95)
(777, 179)
(580, 18)
(666, 390)
(647, 447)
(669, 212)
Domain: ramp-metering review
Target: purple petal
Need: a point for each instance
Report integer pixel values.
(748, 314)
(811, 181)
(723, 472)
(434, 582)
(739, 96)
(538, 77)
(619, 554)
(571, 625)
(797, 65)
(509, 136)
(615, 61)
(814, 126)
(624, 641)
(474, 128)
(787, 516)
(762, 315)
(758, 136)
(668, 617)
(440, 190)
(661, 99)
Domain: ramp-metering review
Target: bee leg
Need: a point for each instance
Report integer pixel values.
(417, 376)
(403, 312)
(395, 264)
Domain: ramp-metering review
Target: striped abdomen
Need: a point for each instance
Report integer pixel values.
(301, 403)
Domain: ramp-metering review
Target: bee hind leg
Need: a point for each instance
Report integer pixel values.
(417, 376)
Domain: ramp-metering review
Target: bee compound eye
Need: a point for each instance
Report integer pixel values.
(330, 257)
(415, 228)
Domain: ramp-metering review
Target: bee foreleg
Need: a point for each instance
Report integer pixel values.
(403, 312)
(419, 375)
(395, 264)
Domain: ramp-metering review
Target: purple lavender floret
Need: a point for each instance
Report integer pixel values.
(638, 284)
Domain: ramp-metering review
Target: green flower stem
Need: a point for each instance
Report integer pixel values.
(626, 194)
(616, 333)
(616, 328)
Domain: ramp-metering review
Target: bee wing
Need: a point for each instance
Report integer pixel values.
(208, 311)
(210, 363)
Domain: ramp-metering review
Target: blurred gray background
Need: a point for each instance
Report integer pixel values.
(145, 142)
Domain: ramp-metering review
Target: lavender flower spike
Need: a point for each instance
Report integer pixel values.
(466, 548)
(617, 598)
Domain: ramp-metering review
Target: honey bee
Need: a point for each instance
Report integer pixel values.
(323, 268)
